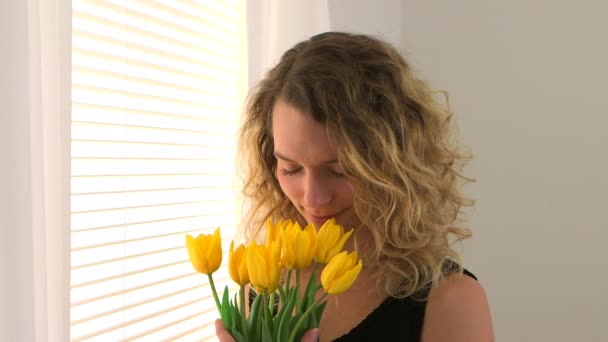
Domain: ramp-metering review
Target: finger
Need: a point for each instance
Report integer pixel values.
(222, 334)
(311, 336)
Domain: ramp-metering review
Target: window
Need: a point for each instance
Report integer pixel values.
(156, 92)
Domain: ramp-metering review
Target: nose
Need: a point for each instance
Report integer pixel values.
(317, 191)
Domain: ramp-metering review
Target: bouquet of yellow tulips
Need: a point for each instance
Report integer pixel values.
(288, 248)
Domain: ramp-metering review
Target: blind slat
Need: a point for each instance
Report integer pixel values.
(198, 18)
(107, 114)
(105, 291)
(146, 238)
(139, 94)
(112, 166)
(105, 201)
(116, 73)
(114, 149)
(139, 134)
(96, 184)
(109, 54)
(147, 214)
(90, 18)
(148, 19)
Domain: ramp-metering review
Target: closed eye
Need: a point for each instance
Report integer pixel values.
(290, 172)
(336, 173)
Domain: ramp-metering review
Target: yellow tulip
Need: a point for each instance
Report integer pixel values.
(205, 251)
(264, 268)
(273, 234)
(341, 272)
(273, 231)
(237, 264)
(298, 246)
(330, 240)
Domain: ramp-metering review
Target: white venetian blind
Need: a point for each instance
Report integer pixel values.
(157, 90)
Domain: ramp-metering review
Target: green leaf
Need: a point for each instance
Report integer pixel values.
(282, 294)
(238, 323)
(230, 315)
(239, 337)
(318, 312)
(236, 313)
(225, 312)
(281, 329)
(309, 293)
(286, 321)
(271, 301)
(266, 334)
(258, 329)
(264, 320)
(268, 323)
(252, 320)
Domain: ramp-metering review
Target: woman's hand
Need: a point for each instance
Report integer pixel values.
(224, 336)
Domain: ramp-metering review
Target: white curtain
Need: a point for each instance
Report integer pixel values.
(273, 26)
(35, 169)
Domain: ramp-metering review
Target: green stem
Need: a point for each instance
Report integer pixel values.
(311, 285)
(242, 309)
(262, 314)
(313, 275)
(264, 304)
(297, 287)
(271, 303)
(292, 336)
(288, 280)
(217, 300)
(266, 313)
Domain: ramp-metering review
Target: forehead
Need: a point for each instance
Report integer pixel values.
(299, 137)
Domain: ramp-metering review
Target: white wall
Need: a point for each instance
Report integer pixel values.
(274, 26)
(381, 18)
(14, 137)
(528, 81)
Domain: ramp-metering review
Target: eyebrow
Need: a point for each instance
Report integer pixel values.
(283, 157)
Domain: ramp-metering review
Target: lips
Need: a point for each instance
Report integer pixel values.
(319, 220)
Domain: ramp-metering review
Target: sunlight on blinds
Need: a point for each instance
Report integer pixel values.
(156, 94)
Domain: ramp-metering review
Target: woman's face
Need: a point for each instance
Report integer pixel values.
(308, 169)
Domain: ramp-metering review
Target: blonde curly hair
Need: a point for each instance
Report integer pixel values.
(394, 140)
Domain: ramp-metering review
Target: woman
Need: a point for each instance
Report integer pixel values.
(341, 127)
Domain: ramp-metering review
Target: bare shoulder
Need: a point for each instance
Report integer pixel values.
(458, 310)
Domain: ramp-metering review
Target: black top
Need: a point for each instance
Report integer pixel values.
(396, 319)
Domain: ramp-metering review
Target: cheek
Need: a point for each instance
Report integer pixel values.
(289, 186)
(346, 191)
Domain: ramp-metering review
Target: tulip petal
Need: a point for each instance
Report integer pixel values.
(255, 263)
(346, 280)
(300, 249)
(243, 271)
(214, 253)
(202, 246)
(237, 266)
(290, 248)
(330, 240)
(332, 269)
(311, 232)
(341, 272)
(194, 253)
